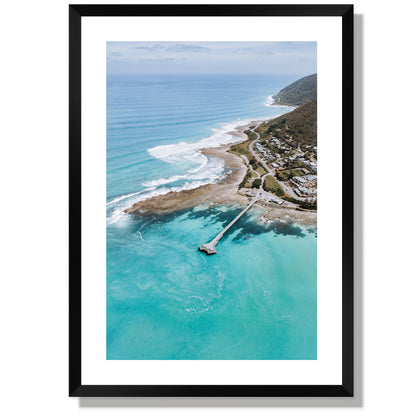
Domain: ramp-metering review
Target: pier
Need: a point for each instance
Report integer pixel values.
(209, 248)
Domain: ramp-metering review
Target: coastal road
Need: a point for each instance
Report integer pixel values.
(272, 196)
(287, 189)
(261, 193)
(258, 158)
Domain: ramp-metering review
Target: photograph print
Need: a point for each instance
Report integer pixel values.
(212, 199)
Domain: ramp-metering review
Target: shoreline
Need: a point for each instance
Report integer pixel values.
(222, 192)
(271, 102)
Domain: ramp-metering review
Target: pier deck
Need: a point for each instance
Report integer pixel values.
(209, 248)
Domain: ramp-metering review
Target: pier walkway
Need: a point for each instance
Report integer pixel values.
(209, 248)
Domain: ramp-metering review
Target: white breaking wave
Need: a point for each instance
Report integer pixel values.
(122, 197)
(210, 170)
(269, 101)
(204, 163)
(164, 181)
(172, 153)
(118, 213)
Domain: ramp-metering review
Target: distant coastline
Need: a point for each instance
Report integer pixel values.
(297, 93)
(271, 101)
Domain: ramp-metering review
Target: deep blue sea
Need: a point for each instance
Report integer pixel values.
(256, 298)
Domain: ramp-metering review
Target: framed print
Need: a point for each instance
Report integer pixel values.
(211, 200)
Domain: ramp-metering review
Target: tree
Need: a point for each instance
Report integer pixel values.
(254, 164)
(257, 183)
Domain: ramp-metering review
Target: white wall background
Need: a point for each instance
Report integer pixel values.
(33, 163)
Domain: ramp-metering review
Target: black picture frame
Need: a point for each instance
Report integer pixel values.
(76, 388)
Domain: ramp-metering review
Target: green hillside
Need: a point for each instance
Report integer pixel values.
(297, 127)
(299, 92)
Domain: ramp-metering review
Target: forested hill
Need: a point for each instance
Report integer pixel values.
(299, 92)
(299, 125)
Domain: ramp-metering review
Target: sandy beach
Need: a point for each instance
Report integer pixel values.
(225, 191)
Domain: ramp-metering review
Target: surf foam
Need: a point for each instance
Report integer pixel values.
(177, 152)
(117, 215)
(269, 101)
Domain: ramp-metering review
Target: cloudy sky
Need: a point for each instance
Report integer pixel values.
(211, 57)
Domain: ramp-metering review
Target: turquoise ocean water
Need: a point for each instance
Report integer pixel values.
(256, 298)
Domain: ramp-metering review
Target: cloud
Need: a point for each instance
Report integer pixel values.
(177, 47)
(151, 48)
(181, 47)
(159, 60)
(212, 57)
